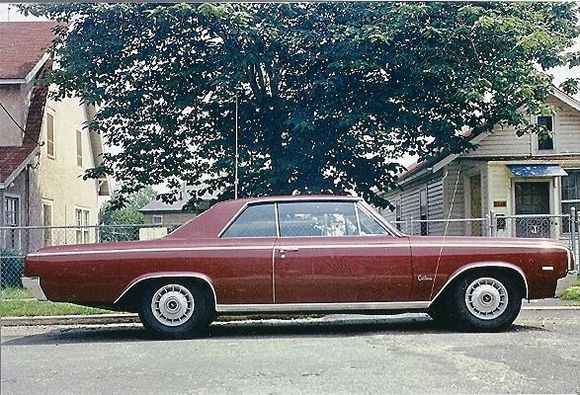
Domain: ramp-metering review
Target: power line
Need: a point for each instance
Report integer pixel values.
(17, 124)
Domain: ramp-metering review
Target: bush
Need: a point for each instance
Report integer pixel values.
(11, 269)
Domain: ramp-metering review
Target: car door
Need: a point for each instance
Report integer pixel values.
(322, 256)
(243, 268)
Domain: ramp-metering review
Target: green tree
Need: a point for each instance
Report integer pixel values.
(116, 223)
(330, 94)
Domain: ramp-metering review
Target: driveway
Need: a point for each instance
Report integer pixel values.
(332, 354)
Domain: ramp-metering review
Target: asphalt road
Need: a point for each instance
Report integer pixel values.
(333, 354)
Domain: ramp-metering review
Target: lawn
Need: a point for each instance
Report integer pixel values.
(17, 302)
(572, 293)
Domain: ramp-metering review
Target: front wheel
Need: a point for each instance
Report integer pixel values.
(176, 309)
(486, 302)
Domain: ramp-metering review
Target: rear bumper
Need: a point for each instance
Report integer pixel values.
(33, 285)
(566, 282)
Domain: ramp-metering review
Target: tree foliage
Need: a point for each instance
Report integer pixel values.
(330, 95)
(117, 221)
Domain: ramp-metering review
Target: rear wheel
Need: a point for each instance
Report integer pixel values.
(486, 302)
(176, 309)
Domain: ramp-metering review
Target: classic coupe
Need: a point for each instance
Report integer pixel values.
(301, 254)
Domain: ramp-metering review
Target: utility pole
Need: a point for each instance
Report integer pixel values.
(236, 181)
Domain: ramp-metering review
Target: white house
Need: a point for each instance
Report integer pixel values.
(506, 174)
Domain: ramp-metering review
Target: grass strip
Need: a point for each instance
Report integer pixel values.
(572, 293)
(32, 307)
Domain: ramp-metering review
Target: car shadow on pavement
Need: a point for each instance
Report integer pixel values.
(336, 325)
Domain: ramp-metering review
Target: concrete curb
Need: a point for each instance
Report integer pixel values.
(97, 319)
(127, 318)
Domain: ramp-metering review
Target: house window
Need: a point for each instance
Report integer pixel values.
(79, 149)
(398, 214)
(546, 142)
(47, 223)
(50, 135)
(570, 195)
(158, 219)
(12, 220)
(423, 212)
(82, 222)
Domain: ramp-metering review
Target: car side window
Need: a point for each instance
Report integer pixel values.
(317, 219)
(256, 221)
(369, 225)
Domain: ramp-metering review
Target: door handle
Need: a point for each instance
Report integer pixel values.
(288, 249)
(283, 251)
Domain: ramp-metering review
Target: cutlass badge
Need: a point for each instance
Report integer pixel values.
(424, 277)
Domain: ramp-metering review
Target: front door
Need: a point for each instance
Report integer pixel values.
(532, 198)
(322, 257)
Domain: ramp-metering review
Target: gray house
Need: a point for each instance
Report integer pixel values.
(509, 175)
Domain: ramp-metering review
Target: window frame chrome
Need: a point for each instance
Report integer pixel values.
(359, 204)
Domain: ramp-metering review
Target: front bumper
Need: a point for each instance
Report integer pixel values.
(566, 282)
(33, 285)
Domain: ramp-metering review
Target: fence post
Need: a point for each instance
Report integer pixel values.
(572, 228)
(410, 225)
(492, 223)
(577, 251)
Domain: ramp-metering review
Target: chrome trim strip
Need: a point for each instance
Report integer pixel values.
(380, 219)
(548, 268)
(301, 246)
(313, 307)
(277, 215)
(199, 276)
(33, 285)
(356, 208)
(480, 265)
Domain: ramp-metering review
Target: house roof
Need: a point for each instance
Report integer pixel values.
(23, 49)
(437, 162)
(13, 158)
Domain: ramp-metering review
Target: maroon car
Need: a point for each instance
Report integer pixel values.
(301, 254)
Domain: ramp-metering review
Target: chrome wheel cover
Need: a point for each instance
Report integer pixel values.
(486, 298)
(172, 304)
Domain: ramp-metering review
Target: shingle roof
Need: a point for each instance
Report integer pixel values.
(22, 47)
(12, 157)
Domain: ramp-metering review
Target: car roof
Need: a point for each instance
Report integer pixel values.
(292, 198)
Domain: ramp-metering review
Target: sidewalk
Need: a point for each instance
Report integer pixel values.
(128, 318)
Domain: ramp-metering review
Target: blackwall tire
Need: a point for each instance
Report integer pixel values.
(441, 313)
(176, 309)
(486, 302)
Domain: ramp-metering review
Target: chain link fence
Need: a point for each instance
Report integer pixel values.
(563, 228)
(17, 242)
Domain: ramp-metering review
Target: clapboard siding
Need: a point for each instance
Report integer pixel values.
(409, 199)
(505, 142)
(455, 197)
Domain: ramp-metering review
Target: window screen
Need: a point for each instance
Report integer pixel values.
(317, 219)
(255, 221)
